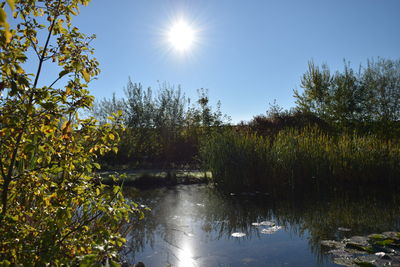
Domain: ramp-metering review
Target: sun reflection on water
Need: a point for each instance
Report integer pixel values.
(185, 255)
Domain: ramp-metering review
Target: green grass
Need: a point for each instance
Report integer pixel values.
(298, 159)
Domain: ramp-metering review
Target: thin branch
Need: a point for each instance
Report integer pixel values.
(1, 167)
(56, 80)
(88, 220)
(78, 227)
(44, 53)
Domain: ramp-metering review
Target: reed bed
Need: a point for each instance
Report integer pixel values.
(299, 159)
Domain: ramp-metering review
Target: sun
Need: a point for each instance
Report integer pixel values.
(181, 36)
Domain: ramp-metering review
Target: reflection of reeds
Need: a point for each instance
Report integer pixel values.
(298, 158)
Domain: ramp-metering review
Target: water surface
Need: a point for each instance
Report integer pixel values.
(192, 225)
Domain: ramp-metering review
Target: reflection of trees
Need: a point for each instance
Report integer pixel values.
(315, 216)
(322, 216)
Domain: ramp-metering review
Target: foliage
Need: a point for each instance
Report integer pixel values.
(162, 128)
(296, 159)
(367, 100)
(275, 122)
(236, 160)
(54, 210)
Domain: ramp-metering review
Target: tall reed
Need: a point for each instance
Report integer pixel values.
(300, 158)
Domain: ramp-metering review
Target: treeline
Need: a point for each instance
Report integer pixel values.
(163, 128)
(344, 130)
(366, 101)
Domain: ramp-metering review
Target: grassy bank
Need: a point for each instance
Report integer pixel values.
(298, 159)
(155, 178)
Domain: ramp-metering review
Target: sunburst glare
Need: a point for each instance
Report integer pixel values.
(181, 36)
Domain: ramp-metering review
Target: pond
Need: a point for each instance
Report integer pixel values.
(196, 225)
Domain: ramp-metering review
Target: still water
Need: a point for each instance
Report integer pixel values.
(196, 225)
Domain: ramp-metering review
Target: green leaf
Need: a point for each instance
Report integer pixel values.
(96, 165)
(62, 73)
(5, 263)
(88, 260)
(114, 264)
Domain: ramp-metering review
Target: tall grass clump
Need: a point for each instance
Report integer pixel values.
(236, 160)
(298, 159)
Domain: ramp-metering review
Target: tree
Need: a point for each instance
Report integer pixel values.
(162, 128)
(316, 83)
(102, 109)
(352, 100)
(381, 85)
(140, 141)
(54, 209)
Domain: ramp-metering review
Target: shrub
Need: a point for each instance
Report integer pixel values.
(54, 210)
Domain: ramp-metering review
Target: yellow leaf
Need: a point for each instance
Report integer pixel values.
(8, 36)
(4, 23)
(11, 4)
(86, 75)
(68, 90)
(66, 128)
(3, 17)
(19, 69)
(112, 137)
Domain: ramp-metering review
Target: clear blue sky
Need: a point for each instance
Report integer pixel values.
(248, 53)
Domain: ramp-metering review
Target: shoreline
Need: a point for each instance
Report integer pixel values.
(152, 178)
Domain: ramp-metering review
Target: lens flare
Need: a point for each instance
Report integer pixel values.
(181, 36)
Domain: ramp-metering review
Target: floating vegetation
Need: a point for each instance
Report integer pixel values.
(238, 234)
(373, 250)
(272, 227)
(264, 223)
(271, 230)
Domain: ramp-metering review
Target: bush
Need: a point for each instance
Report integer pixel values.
(54, 209)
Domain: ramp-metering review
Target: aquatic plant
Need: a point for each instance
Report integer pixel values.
(299, 158)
